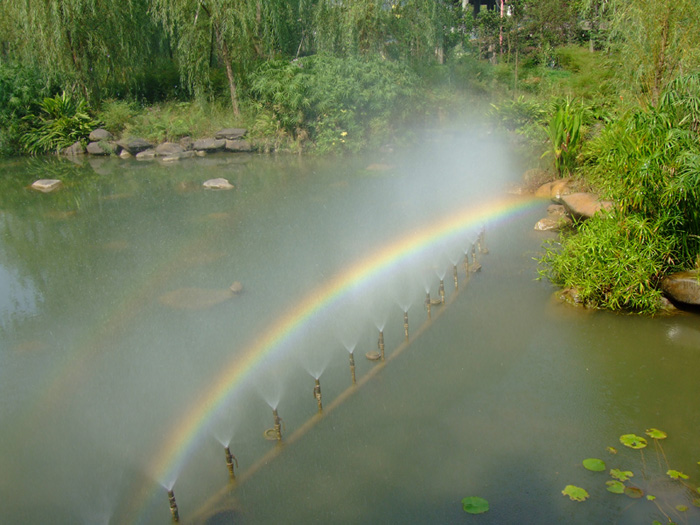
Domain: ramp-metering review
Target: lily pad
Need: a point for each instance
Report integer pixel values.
(575, 493)
(633, 441)
(616, 487)
(622, 475)
(594, 464)
(655, 433)
(475, 505)
(634, 492)
(676, 474)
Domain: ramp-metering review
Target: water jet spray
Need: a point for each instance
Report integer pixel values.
(427, 303)
(380, 344)
(405, 324)
(230, 462)
(317, 395)
(173, 506)
(442, 291)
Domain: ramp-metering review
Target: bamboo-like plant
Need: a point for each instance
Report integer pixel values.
(565, 136)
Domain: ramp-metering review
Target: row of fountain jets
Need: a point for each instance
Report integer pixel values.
(275, 433)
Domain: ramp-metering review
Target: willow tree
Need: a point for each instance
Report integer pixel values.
(207, 32)
(349, 27)
(83, 45)
(657, 41)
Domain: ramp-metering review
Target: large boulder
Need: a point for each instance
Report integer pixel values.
(167, 149)
(230, 133)
(100, 134)
(584, 205)
(209, 145)
(75, 149)
(683, 287)
(135, 146)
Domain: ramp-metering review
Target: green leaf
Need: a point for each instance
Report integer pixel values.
(633, 441)
(596, 465)
(676, 474)
(612, 450)
(696, 502)
(475, 505)
(681, 508)
(575, 493)
(634, 492)
(616, 487)
(655, 433)
(622, 475)
(650, 497)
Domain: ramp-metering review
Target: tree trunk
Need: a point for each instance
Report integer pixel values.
(226, 56)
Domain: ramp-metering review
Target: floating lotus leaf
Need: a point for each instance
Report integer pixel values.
(655, 433)
(622, 475)
(475, 505)
(634, 492)
(633, 441)
(594, 464)
(612, 450)
(616, 487)
(676, 474)
(575, 493)
(681, 508)
(656, 522)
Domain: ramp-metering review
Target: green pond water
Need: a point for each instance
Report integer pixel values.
(126, 364)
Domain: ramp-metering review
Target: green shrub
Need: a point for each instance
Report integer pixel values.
(61, 121)
(116, 114)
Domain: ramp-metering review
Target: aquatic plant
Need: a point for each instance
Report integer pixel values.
(666, 504)
(475, 505)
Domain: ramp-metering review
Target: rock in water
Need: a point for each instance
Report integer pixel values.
(218, 184)
(194, 298)
(683, 287)
(47, 185)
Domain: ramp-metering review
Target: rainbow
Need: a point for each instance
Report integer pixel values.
(186, 432)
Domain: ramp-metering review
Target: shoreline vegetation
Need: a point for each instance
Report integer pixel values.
(604, 93)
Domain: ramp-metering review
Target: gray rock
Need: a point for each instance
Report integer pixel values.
(218, 184)
(76, 149)
(46, 185)
(230, 133)
(187, 143)
(123, 154)
(177, 156)
(148, 154)
(556, 210)
(167, 149)
(101, 148)
(135, 146)
(209, 145)
(553, 223)
(100, 134)
(238, 145)
(584, 205)
(683, 287)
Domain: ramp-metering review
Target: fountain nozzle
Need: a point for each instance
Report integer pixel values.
(455, 276)
(380, 343)
(317, 395)
(230, 462)
(278, 424)
(405, 324)
(427, 303)
(442, 291)
(352, 368)
(173, 506)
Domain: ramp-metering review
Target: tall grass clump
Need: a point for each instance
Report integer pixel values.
(648, 163)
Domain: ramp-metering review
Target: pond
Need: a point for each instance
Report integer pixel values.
(127, 364)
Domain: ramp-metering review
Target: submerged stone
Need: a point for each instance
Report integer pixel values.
(46, 185)
(195, 298)
(218, 184)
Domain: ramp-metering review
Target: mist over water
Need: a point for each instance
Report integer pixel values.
(105, 361)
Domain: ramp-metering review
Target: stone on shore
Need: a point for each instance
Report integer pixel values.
(102, 148)
(148, 154)
(555, 190)
(218, 184)
(46, 185)
(75, 149)
(584, 205)
(230, 133)
(135, 146)
(100, 134)
(683, 287)
(167, 149)
(209, 145)
(238, 145)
